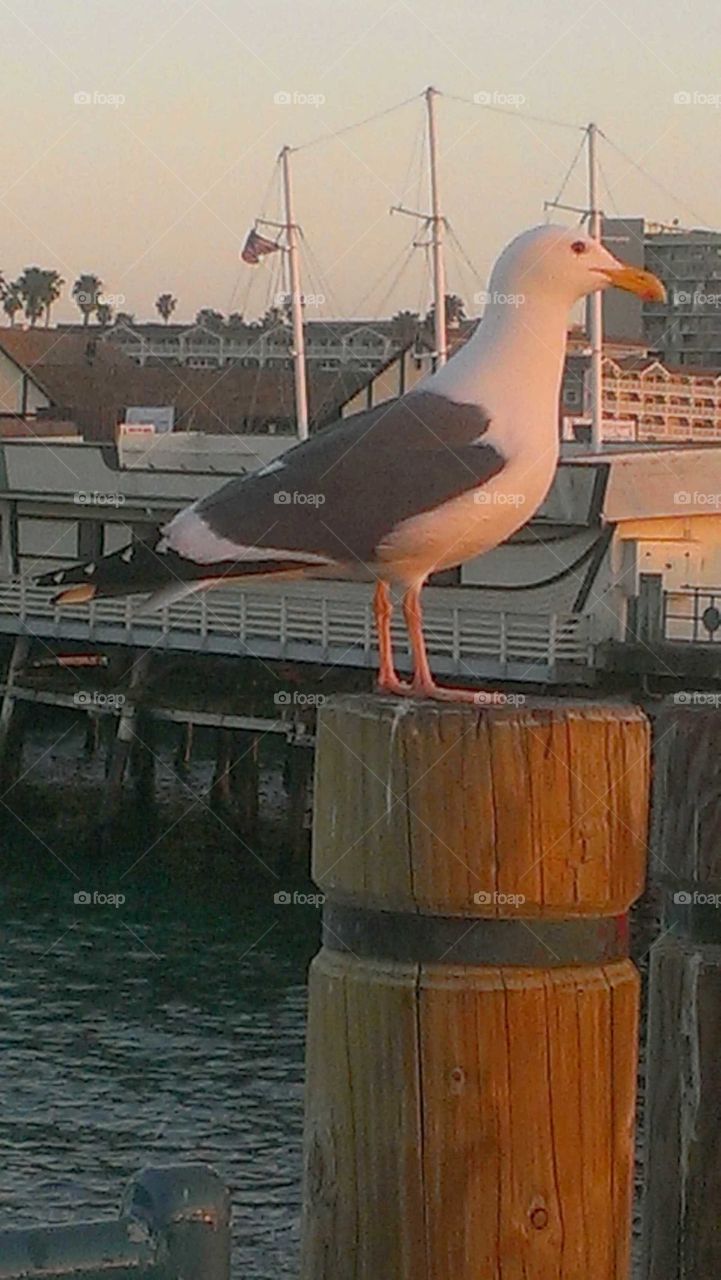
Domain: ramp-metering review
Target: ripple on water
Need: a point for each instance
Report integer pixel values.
(131, 1038)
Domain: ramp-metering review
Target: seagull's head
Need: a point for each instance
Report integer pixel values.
(568, 264)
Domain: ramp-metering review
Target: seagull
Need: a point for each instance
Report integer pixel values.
(418, 484)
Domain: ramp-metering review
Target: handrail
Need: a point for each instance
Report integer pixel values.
(174, 1224)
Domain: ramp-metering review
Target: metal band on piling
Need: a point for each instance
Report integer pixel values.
(420, 939)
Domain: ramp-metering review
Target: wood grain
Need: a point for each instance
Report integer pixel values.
(474, 1123)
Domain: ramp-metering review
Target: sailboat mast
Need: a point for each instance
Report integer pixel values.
(595, 302)
(437, 230)
(296, 301)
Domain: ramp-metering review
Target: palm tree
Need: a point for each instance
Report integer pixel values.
(12, 301)
(211, 320)
(165, 305)
(455, 312)
(404, 327)
(104, 314)
(53, 288)
(85, 293)
(32, 287)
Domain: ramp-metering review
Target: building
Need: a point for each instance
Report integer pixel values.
(50, 376)
(356, 345)
(686, 329)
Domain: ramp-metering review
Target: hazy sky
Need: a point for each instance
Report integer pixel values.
(156, 192)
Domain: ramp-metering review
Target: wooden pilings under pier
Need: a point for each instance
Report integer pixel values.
(682, 1217)
(472, 1043)
(123, 705)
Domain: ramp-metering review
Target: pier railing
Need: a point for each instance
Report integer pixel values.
(174, 1223)
(315, 622)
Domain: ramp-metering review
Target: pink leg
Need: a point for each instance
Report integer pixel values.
(388, 681)
(424, 686)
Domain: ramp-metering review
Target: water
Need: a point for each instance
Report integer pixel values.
(169, 1028)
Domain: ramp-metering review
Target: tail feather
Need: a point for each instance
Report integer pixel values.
(140, 569)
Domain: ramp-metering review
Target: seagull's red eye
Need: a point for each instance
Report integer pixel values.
(578, 246)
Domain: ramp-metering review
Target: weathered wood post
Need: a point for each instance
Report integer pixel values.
(682, 1209)
(472, 1032)
(12, 716)
(245, 780)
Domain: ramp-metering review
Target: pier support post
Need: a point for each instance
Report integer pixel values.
(682, 1221)
(124, 739)
(11, 716)
(299, 773)
(245, 781)
(220, 795)
(472, 1041)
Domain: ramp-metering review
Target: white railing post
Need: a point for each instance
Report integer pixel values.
(204, 615)
(456, 637)
(283, 621)
(503, 640)
(552, 640)
(324, 623)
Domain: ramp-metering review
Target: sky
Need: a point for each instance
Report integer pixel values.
(141, 137)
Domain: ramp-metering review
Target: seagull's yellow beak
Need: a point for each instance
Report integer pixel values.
(635, 280)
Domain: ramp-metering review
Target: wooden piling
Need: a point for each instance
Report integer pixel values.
(12, 716)
(472, 1034)
(298, 774)
(681, 1218)
(245, 781)
(124, 738)
(220, 795)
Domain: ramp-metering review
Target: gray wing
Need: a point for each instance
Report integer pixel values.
(339, 494)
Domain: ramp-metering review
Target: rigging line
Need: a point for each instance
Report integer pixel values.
(274, 281)
(656, 182)
(396, 279)
(325, 137)
(513, 111)
(567, 177)
(274, 180)
(463, 277)
(415, 160)
(398, 263)
(609, 190)
(314, 264)
(463, 254)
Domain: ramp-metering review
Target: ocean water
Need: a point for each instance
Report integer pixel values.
(168, 1028)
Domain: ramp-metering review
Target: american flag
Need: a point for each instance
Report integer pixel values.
(256, 246)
